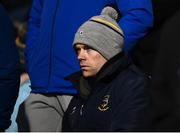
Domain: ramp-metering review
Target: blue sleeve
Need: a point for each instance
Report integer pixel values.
(33, 28)
(137, 18)
(9, 70)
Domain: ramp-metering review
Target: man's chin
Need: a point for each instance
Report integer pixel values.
(87, 74)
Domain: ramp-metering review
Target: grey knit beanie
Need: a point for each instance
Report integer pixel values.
(102, 33)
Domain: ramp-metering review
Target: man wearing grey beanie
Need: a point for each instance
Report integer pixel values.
(113, 92)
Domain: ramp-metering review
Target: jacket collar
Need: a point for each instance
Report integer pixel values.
(113, 67)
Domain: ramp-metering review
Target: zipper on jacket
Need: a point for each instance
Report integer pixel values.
(81, 110)
(51, 45)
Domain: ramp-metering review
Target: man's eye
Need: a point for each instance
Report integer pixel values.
(88, 50)
(77, 50)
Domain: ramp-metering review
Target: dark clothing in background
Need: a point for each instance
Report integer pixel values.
(145, 52)
(17, 9)
(165, 108)
(116, 99)
(9, 70)
(158, 54)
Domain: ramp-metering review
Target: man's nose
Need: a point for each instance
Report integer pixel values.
(81, 55)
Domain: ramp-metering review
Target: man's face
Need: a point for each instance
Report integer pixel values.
(90, 60)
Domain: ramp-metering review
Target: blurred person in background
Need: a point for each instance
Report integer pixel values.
(18, 13)
(158, 55)
(25, 89)
(50, 58)
(24, 92)
(145, 52)
(165, 90)
(9, 70)
(17, 9)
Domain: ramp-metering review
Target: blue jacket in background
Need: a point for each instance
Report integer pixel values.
(9, 70)
(51, 29)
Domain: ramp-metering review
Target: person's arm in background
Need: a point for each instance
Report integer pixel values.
(9, 70)
(136, 19)
(33, 28)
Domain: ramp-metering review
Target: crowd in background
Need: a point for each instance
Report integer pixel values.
(156, 54)
(18, 14)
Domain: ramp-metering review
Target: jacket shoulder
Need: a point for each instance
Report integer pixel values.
(134, 70)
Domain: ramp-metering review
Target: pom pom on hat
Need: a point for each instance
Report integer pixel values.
(111, 12)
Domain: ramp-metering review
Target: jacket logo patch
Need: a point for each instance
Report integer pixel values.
(104, 104)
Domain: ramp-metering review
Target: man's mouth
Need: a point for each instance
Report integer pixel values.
(84, 67)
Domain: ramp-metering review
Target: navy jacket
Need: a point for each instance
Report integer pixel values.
(51, 29)
(9, 70)
(116, 100)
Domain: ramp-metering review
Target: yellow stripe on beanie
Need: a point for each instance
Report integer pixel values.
(108, 23)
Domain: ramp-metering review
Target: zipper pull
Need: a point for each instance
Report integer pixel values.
(73, 110)
(81, 110)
